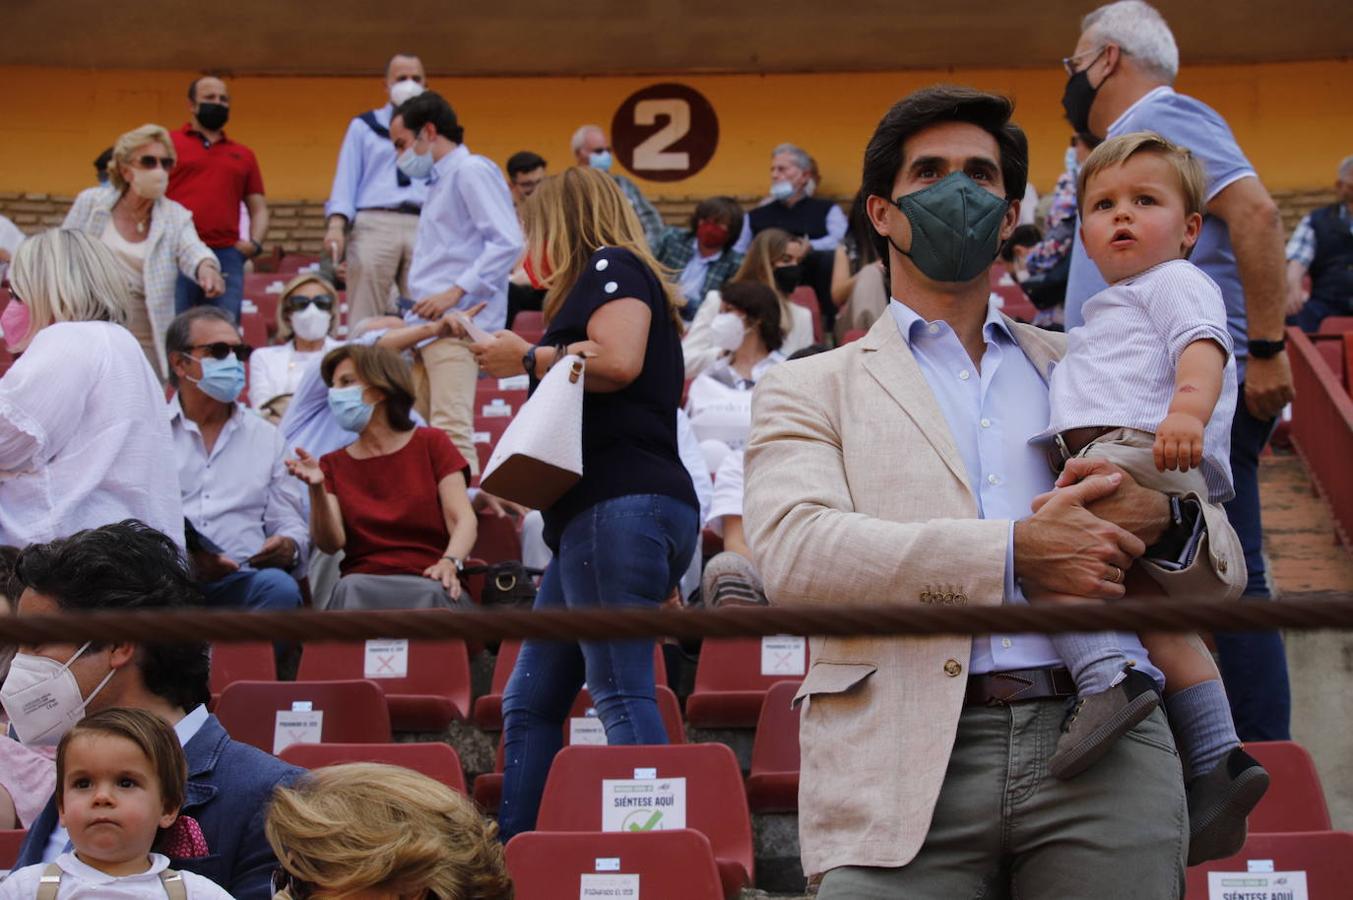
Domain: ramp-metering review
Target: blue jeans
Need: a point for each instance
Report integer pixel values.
(269, 590)
(630, 551)
(1253, 663)
(188, 294)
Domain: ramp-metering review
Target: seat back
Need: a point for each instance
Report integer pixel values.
(436, 760)
(11, 840)
(1336, 325)
(733, 675)
(716, 804)
(668, 707)
(1295, 800)
(251, 661)
(351, 712)
(1325, 858)
(498, 539)
(399, 668)
(665, 865)
(776, 748)
(806, 297)
(1331, 350)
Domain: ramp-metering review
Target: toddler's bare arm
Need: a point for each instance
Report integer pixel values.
(1198, 378)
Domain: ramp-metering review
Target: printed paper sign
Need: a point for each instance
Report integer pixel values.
(483, 437)
(643, 804)
(1257, 886)
(586, 730)
(784, 655)
(514, 383)
(386, 659)
(611, 887)
(496, 410)
(297, 727)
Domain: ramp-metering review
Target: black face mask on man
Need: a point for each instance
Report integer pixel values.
(213, 116)
(1079, 96)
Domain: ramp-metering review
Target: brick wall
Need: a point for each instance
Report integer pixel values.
(298, 225)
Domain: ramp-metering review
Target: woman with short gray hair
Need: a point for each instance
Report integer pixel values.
(84, 439)
(152, 237)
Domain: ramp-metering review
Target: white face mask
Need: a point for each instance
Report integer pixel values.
(728, 330)
(402, 91)
(311, 323)
(150, 184)
(42, 698)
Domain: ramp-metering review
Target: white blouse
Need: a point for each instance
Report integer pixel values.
(698, 345)
(84, 440)
(275, 371)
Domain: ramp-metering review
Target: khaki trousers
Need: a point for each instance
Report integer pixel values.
(380, 249)
(443, 381)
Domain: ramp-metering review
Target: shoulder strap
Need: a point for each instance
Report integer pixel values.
(173, 884)
(369, 119)
(49, 883)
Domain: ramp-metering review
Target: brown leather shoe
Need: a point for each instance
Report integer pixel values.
(1219, 803)
(1095, 721)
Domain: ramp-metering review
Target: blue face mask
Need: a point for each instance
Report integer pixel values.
(601, 160)
(348, 407)
(222, 379)
(782, 190)
(415, 164)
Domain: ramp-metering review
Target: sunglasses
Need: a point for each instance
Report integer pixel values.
(150, 162)
(297, 303)
(220, 350)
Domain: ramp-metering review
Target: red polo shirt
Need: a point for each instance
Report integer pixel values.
(212, 180)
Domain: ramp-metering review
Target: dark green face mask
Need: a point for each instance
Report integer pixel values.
(955, 228)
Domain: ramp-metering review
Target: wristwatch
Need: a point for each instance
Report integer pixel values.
(528, 362)
(456, 561)
(1267, 349)
(258, 249)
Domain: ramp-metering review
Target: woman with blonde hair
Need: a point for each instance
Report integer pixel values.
(151, 237)
(382, 833)
(775, 259)
(84, 439)
(305, 325)
(623, 535)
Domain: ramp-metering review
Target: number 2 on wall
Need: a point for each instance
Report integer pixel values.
(652, 154)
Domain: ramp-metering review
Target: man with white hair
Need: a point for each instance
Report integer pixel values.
(1322, 246)
(792, 206)
(379, 203)
(1120, 77)
(590, 148)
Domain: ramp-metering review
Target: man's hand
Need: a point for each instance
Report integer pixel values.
(247, 249)
(435, 306)
(1179, 443)
(209, 566)
(1142, 511)
(335, 241)
(209, 278)
(1065, 549)
(277, 553)
(1268, 386)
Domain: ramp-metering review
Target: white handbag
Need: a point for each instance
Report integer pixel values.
(540, 455)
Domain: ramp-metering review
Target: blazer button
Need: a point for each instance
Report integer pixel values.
(926, 597)
(952, 668)
(1221, 564)
(961, 599)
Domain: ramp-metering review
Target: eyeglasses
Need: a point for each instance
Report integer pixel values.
(220, 350)
(150, 162)
(298, 302)
(1069, 62)
(282, 880)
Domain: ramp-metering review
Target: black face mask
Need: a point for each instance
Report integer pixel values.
(213, 116)
(1079, 96)
(788, 277)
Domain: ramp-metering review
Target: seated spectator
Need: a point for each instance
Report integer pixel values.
(101, 165)
(83, 437)
(1048, 263)
(719, 402)
(378, 831)
(1322, 248)
(859, 286)
(27, 775)
(525, 172)
(151, 237)
(702, 254)
(591, 149)
(125, 567)
(124, 768)
(774, 259)
(1016, 250)
(305, 325)
(11, 236)
(792, 207)
(248, 529)
(394, 500)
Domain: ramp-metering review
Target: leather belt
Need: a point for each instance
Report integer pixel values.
(1066, 445)
(408, 209)
(1019, 686)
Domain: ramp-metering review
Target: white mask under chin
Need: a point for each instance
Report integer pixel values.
(310, 323)
(727, 330)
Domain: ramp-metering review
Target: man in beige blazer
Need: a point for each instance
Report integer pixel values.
(897, 469)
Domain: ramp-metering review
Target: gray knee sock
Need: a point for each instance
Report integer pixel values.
(1201, 719)
(1095, 660)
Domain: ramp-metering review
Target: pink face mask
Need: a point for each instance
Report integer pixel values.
(15, 322)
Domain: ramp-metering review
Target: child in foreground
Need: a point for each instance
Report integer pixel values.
(120, 777)
(1148, 383)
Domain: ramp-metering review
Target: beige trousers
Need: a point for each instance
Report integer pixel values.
(444, 379)
(380, 249)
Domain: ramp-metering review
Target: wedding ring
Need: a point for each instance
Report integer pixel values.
(1115, 574)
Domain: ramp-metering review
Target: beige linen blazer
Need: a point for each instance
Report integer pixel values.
(856, 494)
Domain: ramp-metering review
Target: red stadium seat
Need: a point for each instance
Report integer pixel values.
(433, 692)
(254, 661)
(256, 290)
(715, 802)
(530, 319)
(254, 330)
(670, 865)
(498, 540)
(852, 335)
(806, 297)
(1326, 858)
(292, 263)
(1015, 303)
(1337, 325)
(354, 712)
(10, 842)
(1331, 350)
(1295, 800)
(436, 760)
(773, 783)
(729, 684)
(487, 432)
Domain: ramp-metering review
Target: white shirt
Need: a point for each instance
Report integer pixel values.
(727, 492)
(276, 371)
(468, 236)
(698, 349)
(239, 494)
(83, 881)
(83, 438)
(720, 402)
(1120, 366)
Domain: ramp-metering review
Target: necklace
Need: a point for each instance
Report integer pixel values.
(140, 223)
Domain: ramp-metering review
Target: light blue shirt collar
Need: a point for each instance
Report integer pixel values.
(912, 325)
(188, 727)
(449, 163)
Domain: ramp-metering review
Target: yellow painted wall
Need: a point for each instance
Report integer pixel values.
(1294, 120)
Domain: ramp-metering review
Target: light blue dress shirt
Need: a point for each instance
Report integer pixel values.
(692, 280)
(468, 236)
(992, 412)
(366, 177)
